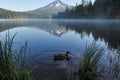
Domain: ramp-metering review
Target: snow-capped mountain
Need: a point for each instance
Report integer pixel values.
(57, 4)
(52, 8)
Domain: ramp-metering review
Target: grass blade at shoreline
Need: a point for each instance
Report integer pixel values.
(88, 63)
(12, 63)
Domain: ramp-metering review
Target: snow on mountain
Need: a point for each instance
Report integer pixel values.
(58, 4)
(52, 8)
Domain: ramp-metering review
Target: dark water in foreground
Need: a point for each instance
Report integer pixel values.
(48, 37)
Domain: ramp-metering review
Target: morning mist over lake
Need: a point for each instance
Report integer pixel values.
(60, 40)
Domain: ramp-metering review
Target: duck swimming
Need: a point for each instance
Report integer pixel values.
(62, 56)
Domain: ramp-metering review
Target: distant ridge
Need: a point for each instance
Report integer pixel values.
(8, 14)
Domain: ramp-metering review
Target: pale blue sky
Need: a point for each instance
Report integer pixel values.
(23, 5)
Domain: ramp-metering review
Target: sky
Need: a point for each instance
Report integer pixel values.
(25, 5)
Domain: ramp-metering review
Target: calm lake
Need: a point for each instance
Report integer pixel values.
(46, 38)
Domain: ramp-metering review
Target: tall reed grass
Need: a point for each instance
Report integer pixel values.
(88, 63)
(114, 67)
(12, 62)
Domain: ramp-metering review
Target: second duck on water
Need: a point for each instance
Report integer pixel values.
(62, 56)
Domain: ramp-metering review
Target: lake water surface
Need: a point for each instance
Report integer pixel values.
(48, 37)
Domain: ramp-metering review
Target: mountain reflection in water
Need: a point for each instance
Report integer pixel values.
(107, 30)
